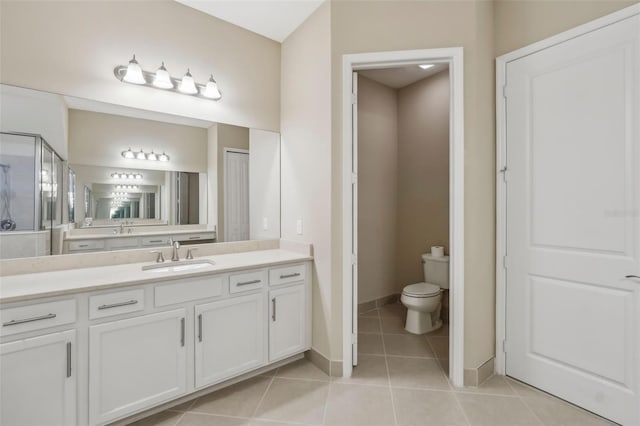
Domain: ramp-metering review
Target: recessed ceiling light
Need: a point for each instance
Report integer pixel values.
(425, 66)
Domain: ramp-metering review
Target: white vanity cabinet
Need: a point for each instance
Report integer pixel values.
(289, 311)
(230, 338)
(136, 363)
(130, 347)
(39, 380)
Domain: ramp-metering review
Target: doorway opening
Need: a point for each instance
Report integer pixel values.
(446, 63)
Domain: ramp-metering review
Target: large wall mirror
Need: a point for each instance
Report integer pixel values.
(78, 175)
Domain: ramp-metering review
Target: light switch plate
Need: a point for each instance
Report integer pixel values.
(299, 226)
(265, 224)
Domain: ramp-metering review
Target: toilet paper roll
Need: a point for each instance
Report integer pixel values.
(437, 251)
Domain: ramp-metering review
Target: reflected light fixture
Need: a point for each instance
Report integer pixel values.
(161, 79)
(141, 155)
(120, 175)
(128, 154)
(133, 72)
(425, 66)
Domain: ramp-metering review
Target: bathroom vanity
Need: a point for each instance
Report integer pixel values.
(92, 346)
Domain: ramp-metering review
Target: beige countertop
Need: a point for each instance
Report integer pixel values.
(15, 288)
(99, 236)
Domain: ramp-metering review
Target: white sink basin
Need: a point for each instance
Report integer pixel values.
(182, 266)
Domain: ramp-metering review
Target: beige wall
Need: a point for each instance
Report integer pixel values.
(519, 23)
(98, 139)
(381, 26)
(306, 158)
(72, 47)
(377, 177)
(423, 174)
(228, 137)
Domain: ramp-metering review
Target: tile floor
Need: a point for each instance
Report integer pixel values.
(400, 380)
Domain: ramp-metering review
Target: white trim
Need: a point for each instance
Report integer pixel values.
(501, 149)
(454, 57)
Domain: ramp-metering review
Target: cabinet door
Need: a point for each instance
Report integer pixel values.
(231, 337)
(287, 321)
(135, 363)
(38, 381)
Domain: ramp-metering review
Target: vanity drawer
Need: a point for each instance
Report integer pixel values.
(120, 302)
(247, 281)
(187, 290)
(287, 274)
(86, 245)
(36, 317)
(155, 241)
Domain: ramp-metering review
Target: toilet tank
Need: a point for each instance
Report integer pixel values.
(436, 270)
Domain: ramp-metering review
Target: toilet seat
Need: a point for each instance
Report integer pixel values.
(421, 290)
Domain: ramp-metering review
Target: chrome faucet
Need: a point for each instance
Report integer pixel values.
(122, 227)
(175, 256)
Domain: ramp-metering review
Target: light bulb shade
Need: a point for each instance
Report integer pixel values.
(211, 90)
(128, 154)
(163, 157)
(152, 156)
(141, 155)
(162, 78)
(138, 176)
(188, 84)
(134, 73)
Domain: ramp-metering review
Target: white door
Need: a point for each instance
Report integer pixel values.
(135, 363)
(573, 220)
(354, 203)
(236, 196)
(38, 381)
(230, 338)
(287, 322)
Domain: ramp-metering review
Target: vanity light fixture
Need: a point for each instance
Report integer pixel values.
(141, 155)
(133, 72)
(188, 84)
(126, 186)
(425, 66)
(161, 79)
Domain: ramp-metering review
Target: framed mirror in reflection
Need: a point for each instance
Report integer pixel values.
(134, 178)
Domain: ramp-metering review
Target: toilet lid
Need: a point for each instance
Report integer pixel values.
(421, 290)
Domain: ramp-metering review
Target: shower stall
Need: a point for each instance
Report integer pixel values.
(31, 195)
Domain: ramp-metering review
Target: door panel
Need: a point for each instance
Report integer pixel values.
(573, 227)
(236, 196)
(288, 321)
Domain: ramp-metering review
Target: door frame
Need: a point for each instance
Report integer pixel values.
(361, 61)
(501, 158)
(225, 178)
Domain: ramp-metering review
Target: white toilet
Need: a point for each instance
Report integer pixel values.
(423, 300)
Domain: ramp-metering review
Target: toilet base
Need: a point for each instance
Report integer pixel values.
(422, 322)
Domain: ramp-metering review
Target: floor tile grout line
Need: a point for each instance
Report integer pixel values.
(386, 363)
(531, 410)
(326, 404)
(440, 368)
(264, 394)
(464, 413)
(180, 419)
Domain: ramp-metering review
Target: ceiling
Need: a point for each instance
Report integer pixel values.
(397, 78)
(274, 19)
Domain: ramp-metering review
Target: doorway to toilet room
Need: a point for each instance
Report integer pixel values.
(405, 135)
(403, 210)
